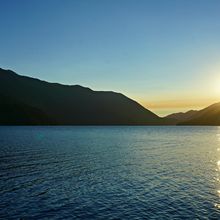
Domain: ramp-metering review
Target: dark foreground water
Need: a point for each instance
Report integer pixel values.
(109, 172)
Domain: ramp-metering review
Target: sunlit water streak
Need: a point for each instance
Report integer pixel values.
(217, 179)
(110, 172)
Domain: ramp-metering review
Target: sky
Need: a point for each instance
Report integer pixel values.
(163, 54)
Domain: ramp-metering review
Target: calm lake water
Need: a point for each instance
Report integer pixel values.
(109, 172)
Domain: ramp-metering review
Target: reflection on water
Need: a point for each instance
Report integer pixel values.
(217, 179)
(109, 172)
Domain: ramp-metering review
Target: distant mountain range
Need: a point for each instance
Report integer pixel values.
(28, 101)
(206, 116)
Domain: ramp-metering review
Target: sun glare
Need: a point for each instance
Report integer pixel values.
(216, 87)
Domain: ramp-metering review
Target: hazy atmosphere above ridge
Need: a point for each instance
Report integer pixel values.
(164, 54)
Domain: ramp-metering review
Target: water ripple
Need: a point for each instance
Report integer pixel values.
(109, 172)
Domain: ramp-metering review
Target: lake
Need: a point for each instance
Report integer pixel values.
(109, 172)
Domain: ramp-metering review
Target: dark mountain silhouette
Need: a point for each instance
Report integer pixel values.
(206, 116)
(182, 116)
(17, 113)
(25, 100)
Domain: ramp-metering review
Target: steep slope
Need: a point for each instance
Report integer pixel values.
(206, 116)
(75, 105)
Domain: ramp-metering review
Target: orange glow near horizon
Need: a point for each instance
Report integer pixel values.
(201, 95)
(166, 107)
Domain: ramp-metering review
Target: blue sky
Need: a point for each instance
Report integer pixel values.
(165, 54)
